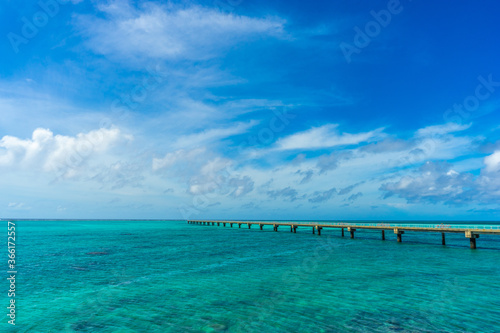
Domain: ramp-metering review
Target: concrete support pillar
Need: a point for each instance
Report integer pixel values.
(291, 228)
(443, 239)
(213, 223)
(218, 224)
(249, 226)
(473, 243)
(351, 230)
(399, 233)
(261, 225)
(319, 230)
(342, 232)
(383, 234)
(294, 229)
(224, 224)
(314, 230)
(472, 236)
(239, 225)
(231, 225)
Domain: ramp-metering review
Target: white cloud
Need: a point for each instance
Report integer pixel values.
(439, 182)
(437, 130)
(170, 31)
(212, 135)
(179, 156)
(433, 183)
(492, 162)
(57, 153)
(324, 137)
(18, 206)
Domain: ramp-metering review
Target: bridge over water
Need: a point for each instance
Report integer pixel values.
(470, 231)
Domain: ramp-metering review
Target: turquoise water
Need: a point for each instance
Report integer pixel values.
(152, 276)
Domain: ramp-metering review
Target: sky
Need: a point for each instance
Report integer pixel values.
(239, 109)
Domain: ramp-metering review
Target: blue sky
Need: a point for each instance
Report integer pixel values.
(241, 109)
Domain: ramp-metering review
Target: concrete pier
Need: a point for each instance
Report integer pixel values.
(399, 233)
(471, 231)
(472, 237)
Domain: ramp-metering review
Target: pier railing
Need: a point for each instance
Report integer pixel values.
(393, 225)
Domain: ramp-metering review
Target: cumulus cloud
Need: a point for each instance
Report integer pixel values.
(319, 196)
(436, 182)
(287, 193)
(331, 161)
(307, 175)
(348, 189)
(324, 137)
(222, 183)
(170, 31)
(240, 186)
(62, 154)
(353, 197)
(433, 182)
(492, 162)
(489, 180)
(203, 173)
(119, 175)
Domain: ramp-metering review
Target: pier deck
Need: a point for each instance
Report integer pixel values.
(470, 231)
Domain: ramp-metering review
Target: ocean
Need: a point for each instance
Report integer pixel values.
(170, 276)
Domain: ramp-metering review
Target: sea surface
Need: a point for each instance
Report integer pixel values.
(170, 276)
